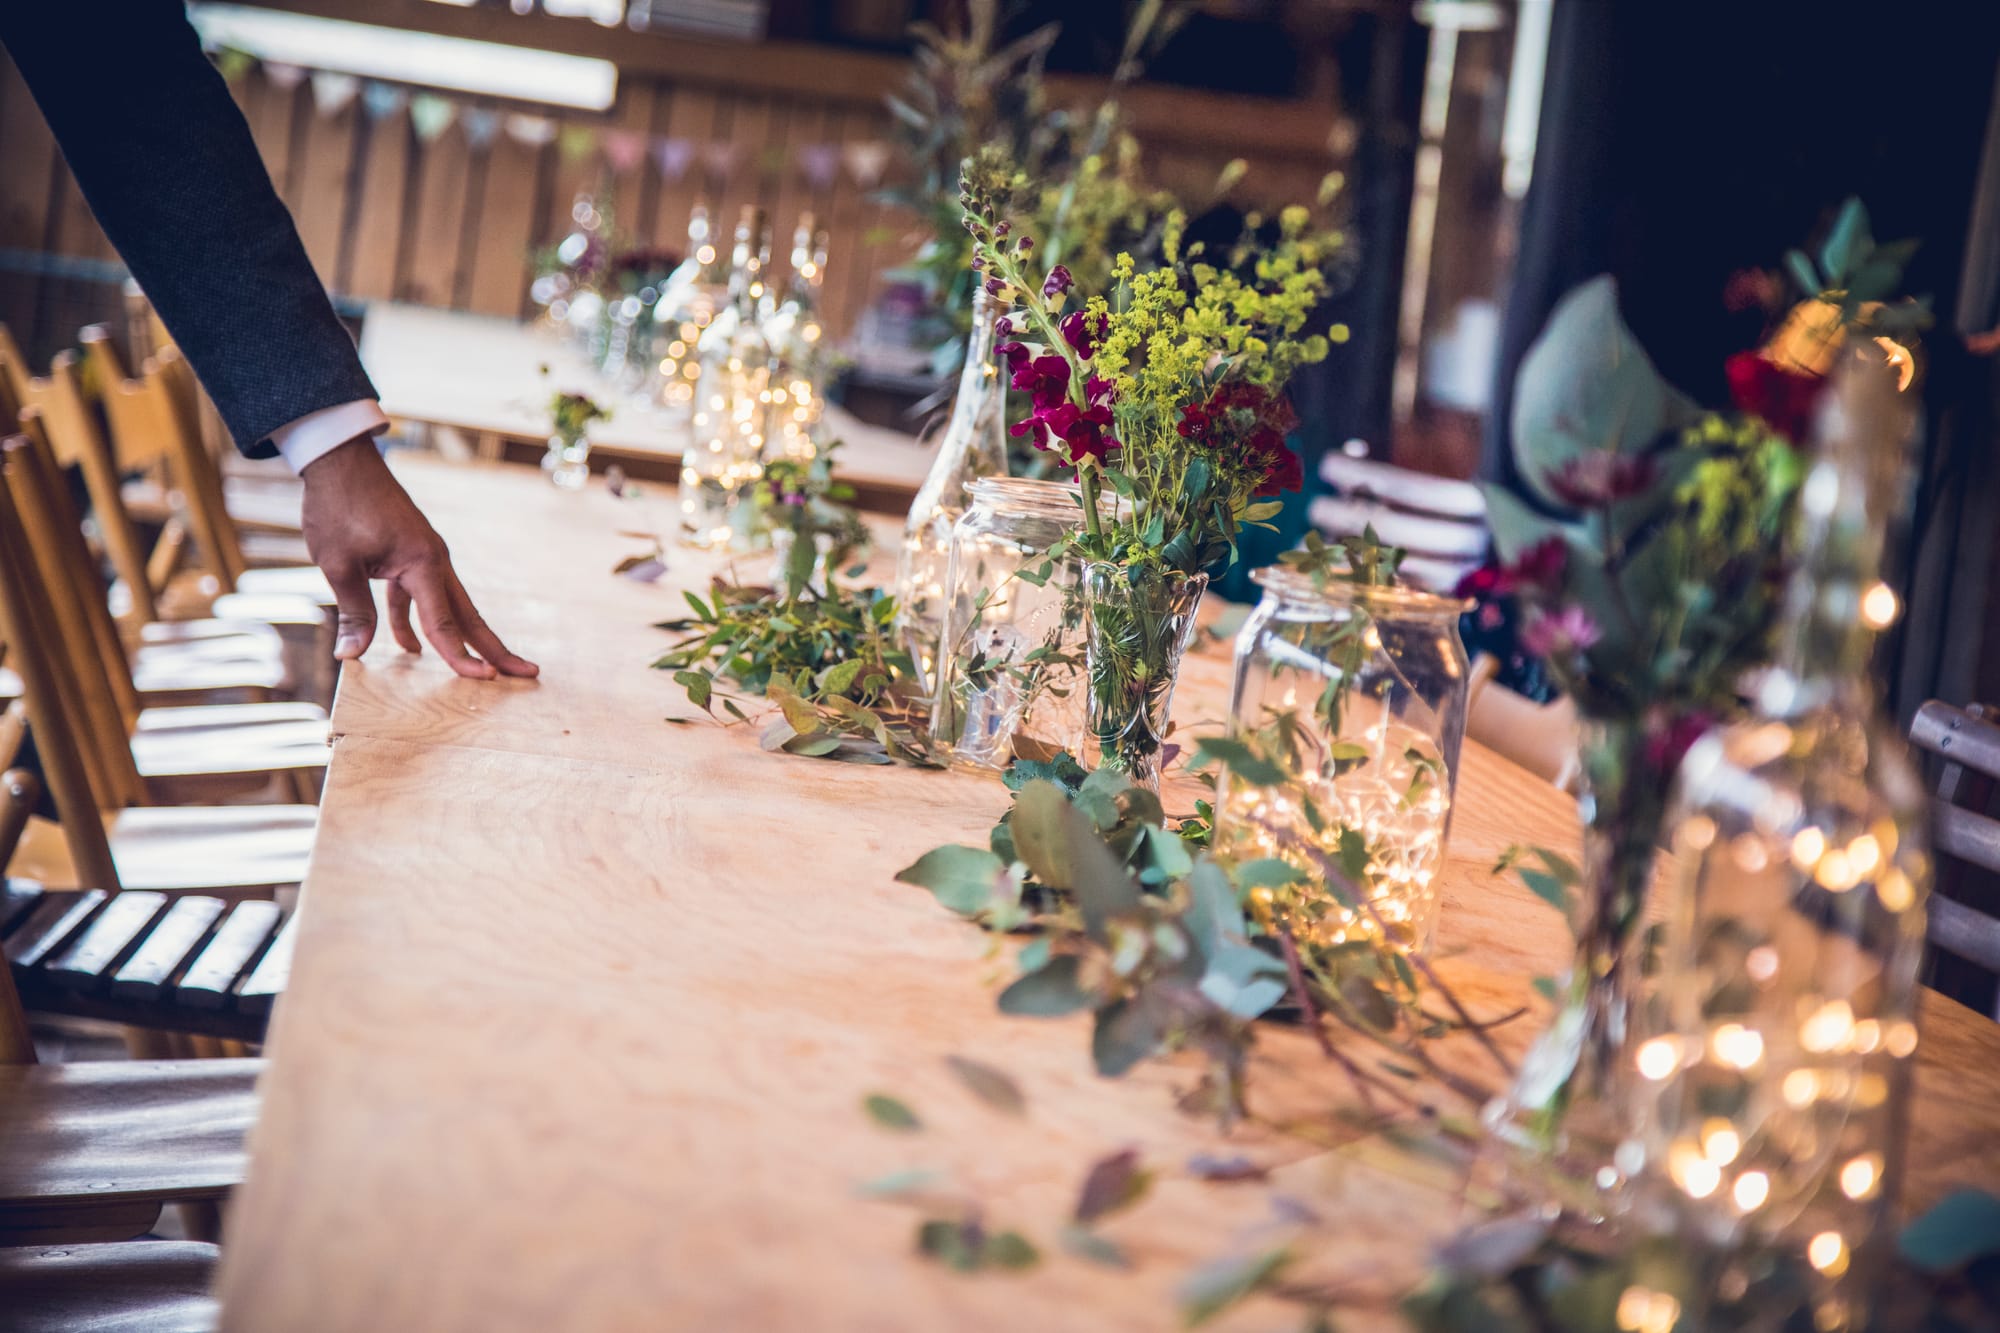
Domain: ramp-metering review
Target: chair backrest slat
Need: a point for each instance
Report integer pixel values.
(18, 792)
(71, 425)
(27, 625)
(88, 647)
(1969, 744)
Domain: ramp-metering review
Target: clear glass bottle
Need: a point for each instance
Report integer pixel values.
(1358, 695)
(973, 446)
(1777, 1024)
(1010, 652)
(688, 303)
(798, 351)
(725, 451)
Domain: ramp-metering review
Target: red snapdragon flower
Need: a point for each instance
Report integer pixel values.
(1537, 569)
(1045, 379)
(1081, 332)
(1785, 399)
(1058, 282)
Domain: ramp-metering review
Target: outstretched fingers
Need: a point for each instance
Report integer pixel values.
(481, 637)
(399, 618)
(430, 585)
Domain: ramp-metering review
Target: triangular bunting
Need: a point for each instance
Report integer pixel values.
(380, 100)
(431, 115)
(818, 163)
(481, 124)
(332, 92)
(624, 149)
(866, 161)
(673, 156)
(533, 131)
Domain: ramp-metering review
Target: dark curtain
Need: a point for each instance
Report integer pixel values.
(1680, 144)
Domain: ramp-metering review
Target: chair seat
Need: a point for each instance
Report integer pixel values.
(147, 1286)
(248, 661)
(1423, 533)
(257, 503)
(232, 738)
(298, 581)
(112, 1131)
(191, 849)
(1404, 488)
(269, 550)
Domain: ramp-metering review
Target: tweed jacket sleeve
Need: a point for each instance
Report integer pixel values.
(168, 166)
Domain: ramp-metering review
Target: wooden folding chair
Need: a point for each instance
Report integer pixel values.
(91, 1151)
(1964, 838)
(112, 839)
(168, 745)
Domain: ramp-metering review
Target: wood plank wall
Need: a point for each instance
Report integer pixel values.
(446, 222)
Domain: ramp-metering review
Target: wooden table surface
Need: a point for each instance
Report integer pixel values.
(585, 1006)
(483, 375)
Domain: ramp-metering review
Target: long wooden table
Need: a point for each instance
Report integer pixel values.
(490, 380)
(585, 1006)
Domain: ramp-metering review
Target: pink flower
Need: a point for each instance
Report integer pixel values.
(1785, 399)
(1598, 477)
(1015, 354)
(1046, 378)
(1555, 634)
(1058, 282)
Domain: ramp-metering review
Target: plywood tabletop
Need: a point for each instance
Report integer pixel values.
(585, 1004)
(487, 375)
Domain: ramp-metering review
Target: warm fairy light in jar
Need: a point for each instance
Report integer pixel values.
(1829, 1028)
(1800, 1088)
(1898, 359)
(1761, 963)
(1894, 889)
(1695, 1174)
(1752, 1188)
(1737, 1046)
(1748, 849)
(1900, 1040)
(1643, 1310)
(1860, 1176)
(1719, 1141)
(1807, 848)
(1879, 606)
(1657, 1059)
(1828, 1253)
(1864, 854)
(1698, 833)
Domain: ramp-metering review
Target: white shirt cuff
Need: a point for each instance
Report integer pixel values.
(319, 433)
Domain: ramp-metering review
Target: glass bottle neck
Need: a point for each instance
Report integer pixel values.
(1836, 603)
(981, 388)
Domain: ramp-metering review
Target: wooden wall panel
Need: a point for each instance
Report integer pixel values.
(380, 217)
(385, 216)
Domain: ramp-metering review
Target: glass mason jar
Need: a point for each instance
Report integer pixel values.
(973, 445)
(1777, 1028)
(1137, 627)
(725, 453)
(1356, 696)
(1010, 656)
(568, 461)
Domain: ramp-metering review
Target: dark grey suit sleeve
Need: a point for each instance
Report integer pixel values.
(168, 166)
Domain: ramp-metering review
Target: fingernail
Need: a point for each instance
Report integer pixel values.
(347, 646)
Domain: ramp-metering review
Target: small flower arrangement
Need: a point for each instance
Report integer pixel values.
(570, 415)
(1169, 388)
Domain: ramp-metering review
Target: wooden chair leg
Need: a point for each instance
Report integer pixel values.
(149, 1044)
(166, 557)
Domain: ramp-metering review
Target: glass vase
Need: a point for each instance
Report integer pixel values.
(724, 457)
(973, 445)
(1355, 697)
(568, 461)
(1011, 652)
(1138, 624)
(1570, 1107)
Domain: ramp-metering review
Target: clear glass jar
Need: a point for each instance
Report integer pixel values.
(799, 354)
(725, 453)
(1010, 658)
(1777, 1023)
(973, 445)
(568, 461)
(689, 301)
(1357, 697)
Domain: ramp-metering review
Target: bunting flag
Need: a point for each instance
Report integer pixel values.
(332, 92)
(720, 159)
(673, 157)
(534, 131)
(576, 142)
(481, 124)
(286, 77)
(624, 149)
(819, 163)
(431, 115)
(866, 161)
(382, 100)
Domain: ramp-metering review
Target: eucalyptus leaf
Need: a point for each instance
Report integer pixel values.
(1062, 850)
(1050, 991)
(890, 1113)
(967, 880)
(899, 1184)
(1127, 1031)
(990, 1085)
(1088, 1245)
(1213, 1288)
(1244, 980)
(1113, 1184)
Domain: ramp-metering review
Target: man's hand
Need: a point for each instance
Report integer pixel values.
(359, 525)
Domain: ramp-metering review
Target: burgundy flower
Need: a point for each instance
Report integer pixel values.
(1015, 354)
(1003, 327)
(1098, 392)
(1785, 399)
(1484, 581)
(1538, 569)
(1025, 246)
(1087, 431)
(1554, 634)
(1670, 737)
(994, 286)
(1058, 282)
(1081, 332)
(1283, 471)
(1196, 423)
(1598, 477)
(1046, 378)
(1034, 424)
